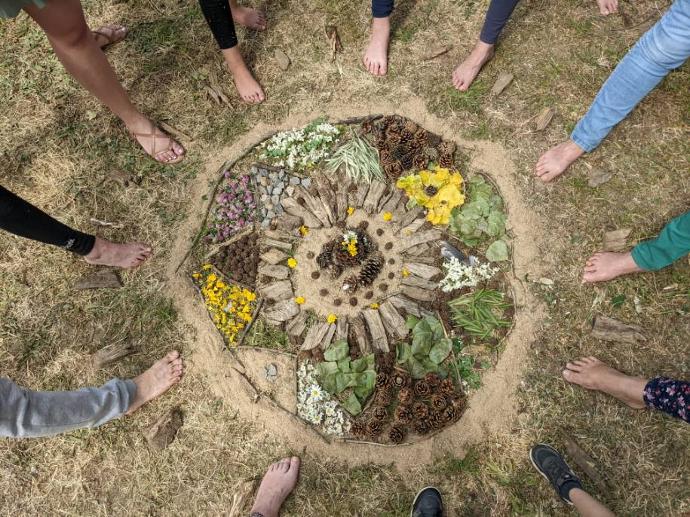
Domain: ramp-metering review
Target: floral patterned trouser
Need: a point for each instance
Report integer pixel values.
(670, 396)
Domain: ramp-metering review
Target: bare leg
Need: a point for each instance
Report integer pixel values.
(248, 17)
(592, 374)
(73, 43)
(158, 379)
(605, 266)
(248, 88)
(556, 160)
(278, 482)
(376, 56)
(466, 72)
(587, 506)
(127, 255)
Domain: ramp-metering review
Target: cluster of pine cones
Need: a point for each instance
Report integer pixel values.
(335, 258)
(423, 406)
(403, 146)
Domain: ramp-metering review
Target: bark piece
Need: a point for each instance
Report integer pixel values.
(504, 79)
(598, 177)
(417, 293)
(420, 249)
(390, 204)
(341, 328)
(416, 281)
(111, 353)
(376, 190)
(393, 321)
(315, 336)
(359, 333)
(544, 118)
(616, 240)
(296, 327)
(103, 279)
(282, 311)
(405, 304)
(362, 190)
(341, 202)
(424, 271)
(163, 431)
(586, 463)
(282, 59)
(279, 235)
(435, 52)
(274, 271)
(333, 41)
(328, 337)
(419, 238)
(325, 190)
(430, 259)
(292, 207)
(288, 222)
(273, 256)
(316, 205)
(376, 329)
(408, 216)
(609, 329)
(277, 291)
(272, 243)
(412, 227)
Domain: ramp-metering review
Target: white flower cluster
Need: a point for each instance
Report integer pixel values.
(315, 405)
(460, 275)
(300, 148)
(349, 236)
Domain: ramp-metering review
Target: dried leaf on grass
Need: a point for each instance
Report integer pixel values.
(111, 353)
(282, 59)
(242, 492)
(436, 52)
(104, 279)
(544, 118)
(504, 79)
(597, 177)
(334, 40)
(162, 433)
(586, 464)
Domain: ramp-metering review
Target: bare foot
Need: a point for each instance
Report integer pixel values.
(278, 482)
(128, 255)
(592, 374)
(465, 73)
(376, 56)
(158, 379)
(556, 160)
(107, 35)
(155, 142)
(606, 265)
(249, 89)
(250, 18)
(607, 7)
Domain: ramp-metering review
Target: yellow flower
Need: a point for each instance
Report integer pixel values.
(206, 267)
(350, 210)
(211, 278)
(405, 272)
(292, 263)
(299, 300)
(303, 230)
(374, 306)
(352, 248)
(438, 190)
(196, 276)
(332, 318)
(387, 216)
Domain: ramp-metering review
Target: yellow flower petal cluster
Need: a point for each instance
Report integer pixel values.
(438, 190)
(332, 318)
(387, 216)
(303, 230)
(405, 272)
(292, 263)
(350, 210)
(299, 300)
(231, 307)
(374, 306)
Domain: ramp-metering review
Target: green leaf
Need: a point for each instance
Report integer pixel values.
(411, 321)
(404, 352)
(429, 365)
(328, 383)
(440, 350)
(352, 405)
(324, 368)
(497, 252)
(358, 365)
(370, 362)
(496, 224)
(436, 328)
(344, 365)
(417, 369)
(337, 351)
(422, 335)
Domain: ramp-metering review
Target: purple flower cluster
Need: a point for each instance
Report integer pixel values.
(235, 208)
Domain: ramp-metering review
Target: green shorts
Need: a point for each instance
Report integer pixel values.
(11, 8)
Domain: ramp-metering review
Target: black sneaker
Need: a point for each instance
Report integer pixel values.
(553, 467)
(428, 503)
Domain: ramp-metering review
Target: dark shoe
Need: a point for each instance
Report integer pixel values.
(553, 467)
(428, 503)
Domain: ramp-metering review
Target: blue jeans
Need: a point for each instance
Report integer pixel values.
(31, 414)
(661, 49)
(381, 8)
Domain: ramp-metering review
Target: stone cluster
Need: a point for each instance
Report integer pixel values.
(273, 185)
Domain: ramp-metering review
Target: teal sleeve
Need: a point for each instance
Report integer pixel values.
(672, 243)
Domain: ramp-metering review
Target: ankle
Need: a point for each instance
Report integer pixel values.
(482, 50)
(573, 149)
(98, 248)
(381, 25)
(234, 61)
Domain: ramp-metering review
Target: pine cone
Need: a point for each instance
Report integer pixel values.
(396, 434)
(384, 396)
(358, 428)
(436, 419)
(447, 387)
(350, 284)
(432, 379)
(447, 148)
(385, 157)
(420, 410)
(382, 380)
(439, 402)
(400, 381)
(407, 161)
(334, 270)
(431, 154)
(394, 170)
(371, 269)
(380, 413)
(405, 396)
(399, 152)
(449, 413)
(422, 426)
(325, 258)
(403, 414)
(420, 162)
(406, 136)
(446, 161)
(368, 126)
(392, 138)
(433, 140)
(342, 257)
(385, 362)
(410, 126)
(364, 243)
(374, 428)
(422, 388)
(317, 354)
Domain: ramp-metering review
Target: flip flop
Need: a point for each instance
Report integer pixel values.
(107, 35)
(154, 150)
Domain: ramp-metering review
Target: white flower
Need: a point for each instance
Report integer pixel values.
(460, 275)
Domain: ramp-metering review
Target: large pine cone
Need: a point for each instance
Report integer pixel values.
(439, 402)
(383, 380)
(384, 396)
(396, 434)
(400, 380)
(422, 426)
(422, 388)
(380, 413)
(403, 413)
(420, 410)
(447, 387)
(374, 428)
(358, 428)
(371, 269)
(405, 395)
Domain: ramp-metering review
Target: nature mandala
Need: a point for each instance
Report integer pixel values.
(368, 251)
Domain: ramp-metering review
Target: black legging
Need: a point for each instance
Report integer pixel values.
(496, 18)
(219, 19)
(23, 219)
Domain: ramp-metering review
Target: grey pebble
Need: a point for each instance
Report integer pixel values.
(265, 223)
(269, 205)
(306, 182)
(290, 190)
(270, 214)
(294, 180)
(275, 199)
(265, 198)
(279, 210)
(263, 180)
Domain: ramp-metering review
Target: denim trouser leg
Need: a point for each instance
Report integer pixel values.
(672, 243)
(381, 8)
(31, 414)
(661, 49)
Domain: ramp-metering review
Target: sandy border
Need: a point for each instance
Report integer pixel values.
(491, 409)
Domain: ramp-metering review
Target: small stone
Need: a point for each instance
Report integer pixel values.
(273, 175)
(282, 59)
(353, 301)
(279, 186)
(265, 223)
(369, 295)
(383, 287)
(270, 214)
(388, 246)
(315, 275)
(263, 180)
(279, 210)
(275, 198)
(290, 190)
(306, 182)
(271, 372)
(310, 255)
(391, 275)
(265, 198)
(391, 261)
(337, 302)
(323, 292)
(379, 232)
(294, 180)
(269, 205)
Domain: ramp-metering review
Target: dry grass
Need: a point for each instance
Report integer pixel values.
(57, 146)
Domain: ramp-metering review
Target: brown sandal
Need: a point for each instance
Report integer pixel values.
(110, 33)
(157, 134)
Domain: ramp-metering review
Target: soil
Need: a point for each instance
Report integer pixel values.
(239, 260)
